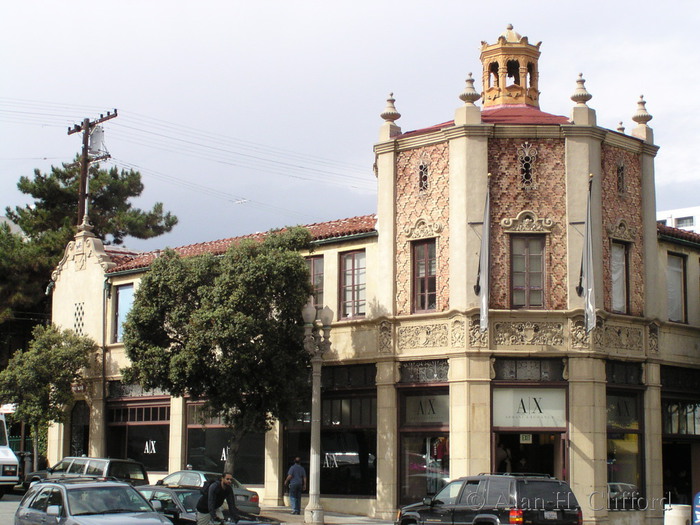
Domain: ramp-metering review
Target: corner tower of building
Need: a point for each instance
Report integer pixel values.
(510, 71)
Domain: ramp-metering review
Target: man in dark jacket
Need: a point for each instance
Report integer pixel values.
(209, 506)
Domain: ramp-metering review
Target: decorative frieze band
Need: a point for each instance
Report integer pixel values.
(424, 336)
(529, 333)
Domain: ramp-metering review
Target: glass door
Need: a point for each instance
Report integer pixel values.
(425, 459)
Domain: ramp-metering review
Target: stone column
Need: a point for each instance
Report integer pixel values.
(177, 455)
(588, 436)
(653, 429)
(387, 440)
(274, 467)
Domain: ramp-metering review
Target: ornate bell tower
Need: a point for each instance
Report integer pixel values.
(510, 71)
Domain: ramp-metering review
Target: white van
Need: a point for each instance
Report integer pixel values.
(9, 466)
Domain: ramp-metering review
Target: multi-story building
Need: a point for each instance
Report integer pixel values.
(683, 218)
(430, 376)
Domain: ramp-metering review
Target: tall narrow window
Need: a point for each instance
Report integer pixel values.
(620, 277)
(527, 271)
(124, 298)
(423, 177)
(352, 284)
(675, 284)
(424, 276)
(315, 265)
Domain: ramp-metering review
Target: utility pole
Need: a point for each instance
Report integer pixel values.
(87, 127)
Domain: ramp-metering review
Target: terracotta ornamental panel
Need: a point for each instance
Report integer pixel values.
(422, 211)
(621, 189)
(544, 198)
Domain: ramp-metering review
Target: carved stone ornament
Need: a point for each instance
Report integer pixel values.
(622, 232)
(78, 251)
(477, 338)
(423, 229)
(424, 336)
(432, 371)
(529, 333)
(654, 338)
(623, 338)
(579, 337)
(527, 222)
(457, 330)
(385, 337)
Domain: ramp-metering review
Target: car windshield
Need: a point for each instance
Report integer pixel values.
(189, 498)
(105, 500)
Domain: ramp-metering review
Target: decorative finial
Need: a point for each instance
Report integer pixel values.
(85, 226)
(390, 114)
(509, 27)
(621, 128)
(581, 95)
(641, 117)
(469, 95)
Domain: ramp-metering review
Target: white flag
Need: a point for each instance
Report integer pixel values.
(482, 278)
(586, 287)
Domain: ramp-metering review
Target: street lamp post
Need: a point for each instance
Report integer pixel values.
(316, 344)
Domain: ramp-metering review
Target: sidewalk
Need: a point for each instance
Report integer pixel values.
(283, 514)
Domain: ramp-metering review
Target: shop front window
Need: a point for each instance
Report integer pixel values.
(348, 432)
(624, 450)
(208, 448)
(424, 442)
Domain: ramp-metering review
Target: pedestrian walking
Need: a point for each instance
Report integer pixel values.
(210, 504)
(296, 481)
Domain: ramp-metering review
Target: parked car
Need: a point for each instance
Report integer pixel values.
(535, 499)
(71, 467)
(85, 501)
(246, 500)
(179, 505)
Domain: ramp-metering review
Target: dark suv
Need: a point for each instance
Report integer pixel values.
(72, 467)
(492, 499)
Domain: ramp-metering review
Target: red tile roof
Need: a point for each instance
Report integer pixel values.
(676, 233)
(319, 231)
(521, 114)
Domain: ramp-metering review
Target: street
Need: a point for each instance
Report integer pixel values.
(8, 506)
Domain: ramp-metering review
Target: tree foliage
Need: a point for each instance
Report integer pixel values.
(39, 380)
(48, 224)
(226, 329)
(110, 211)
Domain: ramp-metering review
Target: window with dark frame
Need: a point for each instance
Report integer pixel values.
(675, 286)
(348, 431)
(527, 271)
(625, 434)
(352, 284)
(619, 272)
(123, 300)
(315, 265)
(424, 275)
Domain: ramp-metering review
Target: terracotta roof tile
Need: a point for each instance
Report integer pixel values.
(502, 115)
(319, 231)
(677, 233)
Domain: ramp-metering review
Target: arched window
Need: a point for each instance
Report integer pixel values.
(513, 71)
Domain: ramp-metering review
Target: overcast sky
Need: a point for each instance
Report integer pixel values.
(244, 116)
